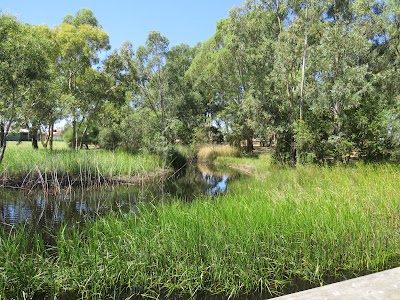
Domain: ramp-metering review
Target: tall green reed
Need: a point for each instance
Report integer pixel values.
(276, 231)
(26, 167)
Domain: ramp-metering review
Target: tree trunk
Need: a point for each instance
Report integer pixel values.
(336, 117)
(74, 134)
(278, 149)
(292, 151)
(3, 141)
(44, 140)
(51, 135)
(34, 141)
(34, 132)
(303, 68)
(290, 92)
(249, 144)
(3, 149)
(5, 130)
(83, 138)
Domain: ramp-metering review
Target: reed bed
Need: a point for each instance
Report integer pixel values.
(25, 167)
(279, 230)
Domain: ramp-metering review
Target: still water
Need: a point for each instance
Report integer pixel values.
(34, 208)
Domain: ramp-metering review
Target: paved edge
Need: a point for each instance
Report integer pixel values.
(378, 286)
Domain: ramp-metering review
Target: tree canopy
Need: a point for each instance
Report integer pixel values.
(318, 80)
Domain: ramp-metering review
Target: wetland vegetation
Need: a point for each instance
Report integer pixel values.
(277, 230)
(315, 81)
(26, 168)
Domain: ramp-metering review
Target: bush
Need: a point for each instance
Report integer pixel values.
(89, 137)
(174, 158)
(109, 138)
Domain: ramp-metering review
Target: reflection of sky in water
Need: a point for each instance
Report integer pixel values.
(16, 207)
(12, 212)
(215, 184)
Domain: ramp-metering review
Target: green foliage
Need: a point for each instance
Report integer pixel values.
(109, 138)
(82, 17)
(25, 53)
(88, 137)
(21, 162)
(276, 231)
(318, 78)
(174, 158)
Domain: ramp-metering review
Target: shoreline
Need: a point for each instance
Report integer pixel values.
(55, 181)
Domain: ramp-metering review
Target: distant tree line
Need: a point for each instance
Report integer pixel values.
(321, 79)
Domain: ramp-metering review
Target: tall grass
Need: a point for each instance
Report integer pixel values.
(277, 231)
(211, 152)
(23, 165)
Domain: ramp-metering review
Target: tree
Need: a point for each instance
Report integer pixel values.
(79, 47)
(82, 17)
(151, 82)
(95, 89)
(41, 105)
(232, 70)
(23, 61)
(186, 108)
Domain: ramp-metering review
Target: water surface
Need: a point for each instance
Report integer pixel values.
(38, 209)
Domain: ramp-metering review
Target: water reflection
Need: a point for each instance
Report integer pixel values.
(215, 184)
(77, 205)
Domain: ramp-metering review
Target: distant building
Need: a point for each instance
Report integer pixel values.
(58, 135)
(24, 135)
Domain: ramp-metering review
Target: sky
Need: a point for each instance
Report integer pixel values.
(181, 21)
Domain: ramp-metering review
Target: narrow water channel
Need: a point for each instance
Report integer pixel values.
(39, 210)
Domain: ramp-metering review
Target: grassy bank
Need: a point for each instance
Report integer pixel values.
(23, 166)
(278, 230)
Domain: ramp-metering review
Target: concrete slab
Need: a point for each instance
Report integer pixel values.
(379, 286)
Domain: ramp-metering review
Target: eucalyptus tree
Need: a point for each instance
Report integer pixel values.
(97, 90)
(253, 31)
(342, 74)
(292, 72)
(388, 75)
(186, 109)
(41, 106)
(204, 77)
(232, 69)
(120, 66)
(151, 81)
(82, 17)
(23, 61)
(80, 44)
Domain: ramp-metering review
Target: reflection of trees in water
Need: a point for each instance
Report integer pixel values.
(215, 184)
(75, 206)
(195, 181)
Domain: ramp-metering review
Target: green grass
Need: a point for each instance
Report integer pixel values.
(21, 162)
(277, 230)
(11, 145)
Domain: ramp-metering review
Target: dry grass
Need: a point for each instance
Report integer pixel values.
(210, 152)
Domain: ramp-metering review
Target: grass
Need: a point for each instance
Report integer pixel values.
(22, 164)
(278, 230)
(211, 152)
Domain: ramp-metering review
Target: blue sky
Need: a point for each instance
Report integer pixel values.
(181, 21)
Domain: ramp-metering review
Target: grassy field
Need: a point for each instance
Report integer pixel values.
(277, 230)
(22, 164)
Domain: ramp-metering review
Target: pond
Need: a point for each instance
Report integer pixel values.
(40, 210)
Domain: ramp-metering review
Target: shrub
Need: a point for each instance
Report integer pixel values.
(109, 138)
(174, 158)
